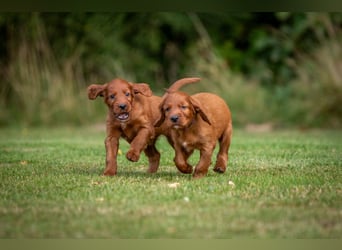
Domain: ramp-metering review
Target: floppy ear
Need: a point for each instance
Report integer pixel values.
(142, 88)
(198, 109)
(161, 119)
(96, 90)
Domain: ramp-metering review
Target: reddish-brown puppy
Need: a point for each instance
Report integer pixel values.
(196, 122)
(132, 111)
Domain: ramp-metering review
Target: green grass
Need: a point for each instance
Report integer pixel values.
(287, 185)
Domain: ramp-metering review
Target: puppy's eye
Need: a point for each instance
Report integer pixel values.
(112, 96)
(167, 109)
(127, 94)
(184, 107)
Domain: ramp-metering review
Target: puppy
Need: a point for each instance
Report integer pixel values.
(132, 111)
(196, 122)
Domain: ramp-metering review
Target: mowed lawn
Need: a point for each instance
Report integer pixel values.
(281, 184)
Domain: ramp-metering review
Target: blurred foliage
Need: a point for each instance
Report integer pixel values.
(153, 46)
(265, 56)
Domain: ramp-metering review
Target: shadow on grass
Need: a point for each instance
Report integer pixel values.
(165, 173)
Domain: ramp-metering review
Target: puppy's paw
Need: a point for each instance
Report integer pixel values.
(186, 169)
(152, 170)
(132, 156)
(219, 169)
(109, 172)
(153, 167)
(198, 175)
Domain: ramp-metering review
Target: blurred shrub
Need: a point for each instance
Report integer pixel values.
(246, 99)
(40, 90)
(316, 98)
(268, 66)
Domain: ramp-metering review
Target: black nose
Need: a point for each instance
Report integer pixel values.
(122, 106)
(174, 118)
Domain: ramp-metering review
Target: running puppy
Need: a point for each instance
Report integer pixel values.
(132, 111)
(196, 122)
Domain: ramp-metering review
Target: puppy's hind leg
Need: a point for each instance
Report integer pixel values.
(153, 157)
(222, 155)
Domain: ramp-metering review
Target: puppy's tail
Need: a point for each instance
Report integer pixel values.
(181, 82)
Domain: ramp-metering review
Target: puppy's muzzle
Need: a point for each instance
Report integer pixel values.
(122, 112)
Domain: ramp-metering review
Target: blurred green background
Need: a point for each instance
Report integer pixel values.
(275, 69)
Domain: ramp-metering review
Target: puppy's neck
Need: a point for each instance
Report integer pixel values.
(191, 123)
(123, 125)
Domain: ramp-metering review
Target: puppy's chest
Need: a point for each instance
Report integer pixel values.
(128, 131)
(187, 146)
(188, 142)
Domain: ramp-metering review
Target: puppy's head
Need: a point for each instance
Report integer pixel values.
(179, 110)
(119, 95)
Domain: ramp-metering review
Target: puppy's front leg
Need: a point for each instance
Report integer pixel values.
(202, 166)
(139, 143)
(180, 159)
(112, 145)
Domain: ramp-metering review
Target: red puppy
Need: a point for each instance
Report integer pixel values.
(132, 111)
(196, 122)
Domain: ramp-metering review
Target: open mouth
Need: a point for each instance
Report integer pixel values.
(176, 126)
(123, 116)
